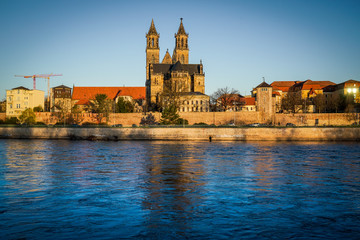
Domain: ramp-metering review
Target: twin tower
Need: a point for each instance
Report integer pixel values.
(173, 74)
(181, 51)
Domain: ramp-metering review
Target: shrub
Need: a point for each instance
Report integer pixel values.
(200, 123)
(148, 120)
(12, 120)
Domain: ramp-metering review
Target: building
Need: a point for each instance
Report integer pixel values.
(82, 96)
(263, 95)
(174, 76)
(247, 104)
(21, 98)
(60, 99)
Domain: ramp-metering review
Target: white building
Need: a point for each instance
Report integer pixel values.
(20, 98)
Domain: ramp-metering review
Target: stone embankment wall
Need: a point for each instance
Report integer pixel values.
(219, 118)
(186, 134)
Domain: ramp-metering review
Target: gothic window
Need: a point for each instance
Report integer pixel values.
(182, 42)
(152, 42)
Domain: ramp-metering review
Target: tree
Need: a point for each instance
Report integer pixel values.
(148, 120)
(38, 109)
(333, 102)
(76, 115)
(170, 116)
(102, 106)
(27, 117)
(224, 98)
(124, 106)
(319, 102)
(292, 102)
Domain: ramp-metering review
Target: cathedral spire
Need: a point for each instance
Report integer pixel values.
(152, 29)
(181, 51)
(181, 30)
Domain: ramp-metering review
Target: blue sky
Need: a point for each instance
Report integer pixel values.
(102, 43)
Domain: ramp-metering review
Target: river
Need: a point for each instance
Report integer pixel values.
(59, 189)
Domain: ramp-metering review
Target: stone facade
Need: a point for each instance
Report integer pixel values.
(60, 99)
(174, 75)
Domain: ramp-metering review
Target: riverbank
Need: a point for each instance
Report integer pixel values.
(185, 134)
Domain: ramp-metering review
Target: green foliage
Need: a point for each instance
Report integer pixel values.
(148, 120)
(12, 120)
(200, 124)
(124, 106)
(170, 116)
(27, 117)
(38, 109)
(102, 106)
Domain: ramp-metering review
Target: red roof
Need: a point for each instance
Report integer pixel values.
(303, 85)
(283, 85)
(248, 101)
(84, 94)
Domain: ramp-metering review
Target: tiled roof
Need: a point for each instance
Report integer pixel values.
(20, 88)
(302, 85)
(313, 85)
(263, 84)
(61, 86)
(247, 101)
(167, 68)
(84, 94)
(283, 85)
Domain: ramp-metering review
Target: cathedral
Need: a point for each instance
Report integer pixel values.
(174, 79)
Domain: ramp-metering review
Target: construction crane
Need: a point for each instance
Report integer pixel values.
(46, 76)
(32, 76)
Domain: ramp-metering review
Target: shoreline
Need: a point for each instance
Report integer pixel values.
(185, 134)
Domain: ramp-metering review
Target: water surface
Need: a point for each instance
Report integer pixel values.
(179, 190)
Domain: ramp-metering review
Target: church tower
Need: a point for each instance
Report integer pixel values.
(181, 51)
(152, 47)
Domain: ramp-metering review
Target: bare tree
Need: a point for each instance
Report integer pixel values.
(224, 98)
(319, 102)
(333, 102)
(292, 102)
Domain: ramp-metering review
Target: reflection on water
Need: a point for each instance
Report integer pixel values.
(178, 190)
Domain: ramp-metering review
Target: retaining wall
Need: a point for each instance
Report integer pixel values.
(219, 118)
(199, 134)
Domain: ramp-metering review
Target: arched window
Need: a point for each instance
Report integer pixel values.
(152, 42)
(182, 42)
